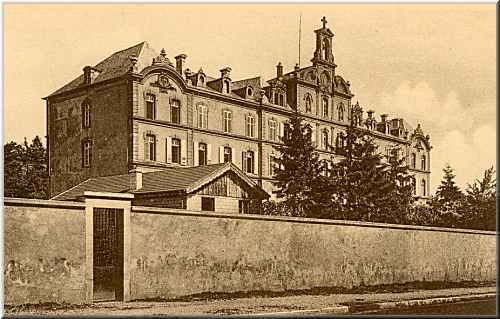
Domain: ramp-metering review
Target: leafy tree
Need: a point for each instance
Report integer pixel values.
(298, 169)
(479, 209)
(25, 170)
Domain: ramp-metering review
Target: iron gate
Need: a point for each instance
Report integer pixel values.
(108, 254)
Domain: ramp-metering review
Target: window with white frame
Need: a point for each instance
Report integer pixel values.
(176, 150)
(202, 116)
(175, 112)
(150, 106)
(273, 127)
(248, 162)
(86, 114)
(202, 154)
(86, 153)
(150, 147)
(250, 126)
(226, 123)
(228, 154)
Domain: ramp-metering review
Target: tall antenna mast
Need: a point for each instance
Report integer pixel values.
(300, 33)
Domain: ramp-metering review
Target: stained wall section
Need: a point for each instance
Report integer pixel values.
(175, 253)
(44, 251)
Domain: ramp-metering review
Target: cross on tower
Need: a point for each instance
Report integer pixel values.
(324, 22)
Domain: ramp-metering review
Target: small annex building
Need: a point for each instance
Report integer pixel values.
(220, 188)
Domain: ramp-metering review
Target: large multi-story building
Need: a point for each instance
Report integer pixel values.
(137, 110)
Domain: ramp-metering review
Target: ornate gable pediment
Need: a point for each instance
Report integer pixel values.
(163, 83)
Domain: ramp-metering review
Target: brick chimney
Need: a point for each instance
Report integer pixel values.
(179, 62)
(89, 74)
(135, 179)
(370, 113)
(384, 117)
(225, 72)
(279, 70)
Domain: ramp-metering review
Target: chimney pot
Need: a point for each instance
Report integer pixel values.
(225, 72)
(279, 70)
(384, 117)
(179, 62)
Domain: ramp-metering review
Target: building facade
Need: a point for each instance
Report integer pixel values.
(138, 110)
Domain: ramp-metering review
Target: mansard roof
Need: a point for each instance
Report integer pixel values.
(186, 179)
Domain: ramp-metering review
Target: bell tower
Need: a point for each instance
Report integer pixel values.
(323, 55)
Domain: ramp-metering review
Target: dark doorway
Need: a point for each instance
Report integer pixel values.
(108, 254)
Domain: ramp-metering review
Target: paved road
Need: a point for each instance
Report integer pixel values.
(477, 307)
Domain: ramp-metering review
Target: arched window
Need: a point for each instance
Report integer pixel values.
(341, 112)
(325, 106)
(86, 114)
(413, 160)
(423, 163)
(324, 139)
(325, 49)
(249, 91)
(202, 80)
(423, 188)
(308, 103)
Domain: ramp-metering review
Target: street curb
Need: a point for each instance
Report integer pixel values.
(417, 302)
(376, 306)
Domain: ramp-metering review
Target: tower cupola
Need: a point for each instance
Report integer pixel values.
(323, 53)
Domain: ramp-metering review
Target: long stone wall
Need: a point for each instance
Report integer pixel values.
(176, 253)
(44, 251)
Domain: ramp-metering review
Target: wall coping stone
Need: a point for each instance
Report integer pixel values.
(303, 220)
(12, 201)
(107, 195)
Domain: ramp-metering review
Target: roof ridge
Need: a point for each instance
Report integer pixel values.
(133, 46)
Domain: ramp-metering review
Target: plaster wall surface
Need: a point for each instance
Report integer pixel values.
(44, 253)
(175, 254)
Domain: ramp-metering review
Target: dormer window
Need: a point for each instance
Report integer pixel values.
(202, 80)
(226, 87)
(249, 91)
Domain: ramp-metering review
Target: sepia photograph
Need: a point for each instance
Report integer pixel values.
(249, 159)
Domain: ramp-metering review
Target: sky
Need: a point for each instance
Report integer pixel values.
(427, 63)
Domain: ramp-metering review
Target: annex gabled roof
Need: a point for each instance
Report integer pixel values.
(186, 179)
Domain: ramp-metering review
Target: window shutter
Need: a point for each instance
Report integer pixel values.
(233, 156)
(209, 153)
(183, 152)
(83, 154)
(168, 151)
(282, 130)
(83, 116)
(313, 135)
(90, 153)
(256, 163)
(263, 128)
(246, 126)
(243, 162)
(196, 160)
(146, 149)
(221, 154)
(90, 115)
(332, 138)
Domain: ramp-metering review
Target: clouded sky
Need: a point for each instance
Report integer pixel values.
(430, 64)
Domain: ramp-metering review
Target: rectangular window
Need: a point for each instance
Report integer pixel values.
(202, 116)
(228, 154)
(175, 112)
(86, 115)
(150, 106)
(244, 206)
(208, 204)
(272, 130)
(250, 127)
(151, 147)
(248, 162)
(176, 150)
(86, 153)
(282, 100)
(227, 122)
(202, 154)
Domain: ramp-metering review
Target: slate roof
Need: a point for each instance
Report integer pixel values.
(115, 65)
(172, 179)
